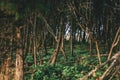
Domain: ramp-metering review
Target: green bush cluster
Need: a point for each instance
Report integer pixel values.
(55, 72)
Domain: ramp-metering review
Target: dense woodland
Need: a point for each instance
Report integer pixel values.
(59, 39)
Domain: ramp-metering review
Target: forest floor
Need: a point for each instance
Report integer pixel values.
(73, 67)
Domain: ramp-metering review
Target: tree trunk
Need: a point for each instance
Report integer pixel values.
(19, 60)
(71, 41)
(62, 46)
(44, 42)
(54, 57)
(34, 41)
(90, 42)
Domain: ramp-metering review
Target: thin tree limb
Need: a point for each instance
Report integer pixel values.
(50, 30)
(98, 52)
(115, 42)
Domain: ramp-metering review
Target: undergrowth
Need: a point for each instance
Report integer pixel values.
(72, 68)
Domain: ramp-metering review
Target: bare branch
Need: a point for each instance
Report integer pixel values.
(115, 42)
(50, 30)
(98, 52)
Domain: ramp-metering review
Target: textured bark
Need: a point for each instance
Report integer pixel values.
(19, 65)
(19, 60)
(54, 57)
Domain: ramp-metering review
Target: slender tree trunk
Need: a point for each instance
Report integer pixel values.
(71, 41)
(107, 43)
(55, 54)
(34, 41)
(19, 60)
(98, 52)
(30, 45)
(90, 42)
(26, 48)
(54, 57)
(62, 46)
(44, 42)
(45, 48)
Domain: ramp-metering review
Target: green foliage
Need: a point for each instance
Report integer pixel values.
(57, 72)
(69, 70)
(29, 58)
(47, 72)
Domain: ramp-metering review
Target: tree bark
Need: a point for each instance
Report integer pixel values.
(54, 57)
(19, 59)
(71, 41)
(34, 41)
(62, 46)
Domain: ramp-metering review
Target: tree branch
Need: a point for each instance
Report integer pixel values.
(50, 30)
(98, 52)
(115, 42)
